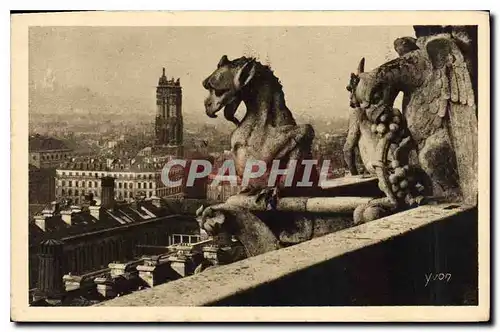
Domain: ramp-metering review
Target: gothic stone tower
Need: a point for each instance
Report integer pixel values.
(169, 124)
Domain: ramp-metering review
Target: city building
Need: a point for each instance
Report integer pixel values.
(199, 187)
(135, 178)
(47, 152)
(222, 190)
(45, 155)
(168, 122)
(41, 185)
(98, 232)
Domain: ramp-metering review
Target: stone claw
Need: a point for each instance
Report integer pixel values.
(303, 231)
(250, 190)
(268, 195)
(376, 209)
(263, 194)
(211, 220)
(245, 190)
(200, 211)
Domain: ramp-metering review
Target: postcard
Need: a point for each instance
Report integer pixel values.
(250, 166)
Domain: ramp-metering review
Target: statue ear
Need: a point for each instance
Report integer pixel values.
(361, 66)
(244, 74)
(224, 60)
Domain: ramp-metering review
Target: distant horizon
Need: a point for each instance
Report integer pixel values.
(313, 63)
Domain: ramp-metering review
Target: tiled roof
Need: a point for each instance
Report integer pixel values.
(137, 164)
(34, 209)
(85, 163)
(84, 222)
(43, 143)
(35, 233)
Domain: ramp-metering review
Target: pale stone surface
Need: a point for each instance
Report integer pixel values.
(247, 202)
(117, 269)
(105, 287)
(179, 266)
(335, 204)
(303, 204)
(347, 181)
(221, 282)
(147, 274)
(292, 204)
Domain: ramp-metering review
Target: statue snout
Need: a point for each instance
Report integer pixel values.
(210, 110)
(205, 84)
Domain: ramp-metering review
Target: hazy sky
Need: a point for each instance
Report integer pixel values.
(313, 63)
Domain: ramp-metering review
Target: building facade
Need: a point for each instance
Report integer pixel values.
(45, 155)
(169, 122)
(41, 185)
(47, 152)
(221, 191)
(96, 233)
(133, 179)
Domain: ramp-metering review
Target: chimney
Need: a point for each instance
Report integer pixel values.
(66, 216)
(40, 222)
(56, 207)
(156, 201)
(94, 211)
(107, 192)
(75, 209)
(47, 213)
(51, 210)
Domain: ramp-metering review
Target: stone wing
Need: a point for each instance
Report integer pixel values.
(452, 96)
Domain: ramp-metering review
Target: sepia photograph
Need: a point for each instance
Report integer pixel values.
(237, 166)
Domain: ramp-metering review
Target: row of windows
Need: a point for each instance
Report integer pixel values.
(140, 185)
(167, 191)
(119, 195)
(56, 156)
(83, 174)
(95, 184)
(91, 184)
(77, 193)
(119, 175)
(129, 194)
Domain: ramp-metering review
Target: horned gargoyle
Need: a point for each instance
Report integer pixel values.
(438, 119)
(267, 132)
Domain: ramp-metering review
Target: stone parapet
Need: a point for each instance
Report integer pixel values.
(344, 273)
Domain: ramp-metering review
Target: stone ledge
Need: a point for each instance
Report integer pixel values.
(223, 282)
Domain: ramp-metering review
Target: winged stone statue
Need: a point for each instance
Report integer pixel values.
(436, 73)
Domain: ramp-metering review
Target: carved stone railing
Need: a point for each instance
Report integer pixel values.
(293, 219)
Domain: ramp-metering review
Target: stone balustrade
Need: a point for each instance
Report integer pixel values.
(383, 262)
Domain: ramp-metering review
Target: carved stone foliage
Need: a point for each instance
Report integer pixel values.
(397, 178)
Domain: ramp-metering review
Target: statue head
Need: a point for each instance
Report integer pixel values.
(226, 83)
(369, 92)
